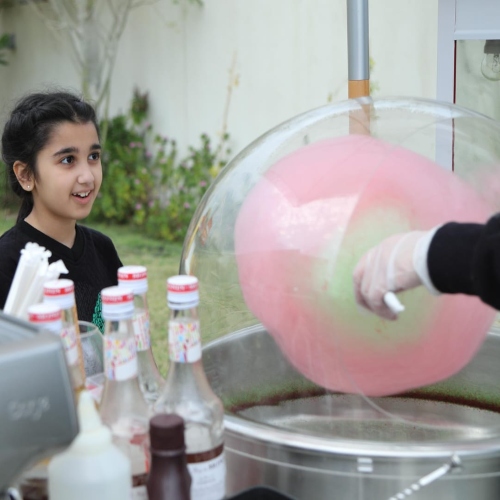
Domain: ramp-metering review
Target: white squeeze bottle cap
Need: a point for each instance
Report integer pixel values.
(92, 467)
(94, 435)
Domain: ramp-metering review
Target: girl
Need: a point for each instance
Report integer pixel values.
(50, 145)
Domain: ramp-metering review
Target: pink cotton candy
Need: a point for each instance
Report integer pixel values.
(301, 231)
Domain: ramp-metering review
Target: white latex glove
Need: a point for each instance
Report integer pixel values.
(398, 263)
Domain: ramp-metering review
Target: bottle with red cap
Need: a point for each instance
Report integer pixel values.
(187, 393)
(169, 476)
(123, 407)
(33, 482)
(150, 379)
(61, 292)
(46, 316)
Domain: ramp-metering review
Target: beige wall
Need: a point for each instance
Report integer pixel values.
(37, 62)
(291, 56)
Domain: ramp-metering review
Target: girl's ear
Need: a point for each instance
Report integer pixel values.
(24, 175)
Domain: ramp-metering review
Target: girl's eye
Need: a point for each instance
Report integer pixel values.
(95, 156)
(68, 160)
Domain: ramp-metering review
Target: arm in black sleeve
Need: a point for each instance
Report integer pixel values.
(465, 258)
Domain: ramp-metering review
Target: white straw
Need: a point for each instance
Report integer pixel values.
(55, 270)
(33, 292)
(32, 272)
(31, 257)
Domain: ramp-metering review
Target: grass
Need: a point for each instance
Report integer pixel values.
(161, 259)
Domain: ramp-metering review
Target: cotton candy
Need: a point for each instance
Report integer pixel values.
(301, 231)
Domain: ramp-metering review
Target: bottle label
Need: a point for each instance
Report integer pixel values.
(184, 343)
(141, 331)
(208, 477)
(120, 358)
(68, 337)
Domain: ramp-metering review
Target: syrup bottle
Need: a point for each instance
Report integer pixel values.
(188, 393)
(150, 380)
(123, 407)
(169, 477)
(61, 292)
(33, 482)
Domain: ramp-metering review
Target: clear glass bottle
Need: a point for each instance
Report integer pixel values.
(188, 393)
(62, 293)
(169, 476)
(33, 482)
(150, 379)
(123, 407)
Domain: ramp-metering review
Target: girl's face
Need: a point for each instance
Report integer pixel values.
(68, 174)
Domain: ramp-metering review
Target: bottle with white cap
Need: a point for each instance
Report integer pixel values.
(150, 379)
(46, 316)
(123, 407)
(33, 482)
(61, 292)
(187, 393)
(92, 466)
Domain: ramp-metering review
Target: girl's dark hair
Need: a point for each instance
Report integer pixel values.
(29, 128)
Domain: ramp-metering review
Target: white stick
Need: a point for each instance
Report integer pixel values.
(33, 260)
(393, 303)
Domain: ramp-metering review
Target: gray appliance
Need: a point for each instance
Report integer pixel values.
(37, 408)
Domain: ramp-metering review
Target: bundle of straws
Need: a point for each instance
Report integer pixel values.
(32, 272)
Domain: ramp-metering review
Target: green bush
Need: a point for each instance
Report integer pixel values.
(146, 183)
(182, 184)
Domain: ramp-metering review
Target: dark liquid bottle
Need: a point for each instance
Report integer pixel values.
(169, 477)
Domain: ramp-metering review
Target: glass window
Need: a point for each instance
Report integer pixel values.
(475, 69)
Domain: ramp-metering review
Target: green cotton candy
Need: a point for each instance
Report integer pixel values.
(333, 277)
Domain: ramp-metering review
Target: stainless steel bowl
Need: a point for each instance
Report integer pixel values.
(440, 442)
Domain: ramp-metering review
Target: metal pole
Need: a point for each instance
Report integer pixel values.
(358, 48)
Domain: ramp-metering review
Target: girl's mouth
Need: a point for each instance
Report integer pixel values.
(82, 194)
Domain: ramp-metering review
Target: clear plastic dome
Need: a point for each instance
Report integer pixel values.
(274, 243)
(276, 238)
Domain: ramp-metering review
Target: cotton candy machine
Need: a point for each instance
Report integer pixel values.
(323, 401)
(288, 433)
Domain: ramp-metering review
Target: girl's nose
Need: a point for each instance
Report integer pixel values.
(86, 175)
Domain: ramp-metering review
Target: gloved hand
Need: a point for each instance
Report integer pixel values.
(398, 263)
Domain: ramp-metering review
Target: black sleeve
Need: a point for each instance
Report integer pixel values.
(465, 258)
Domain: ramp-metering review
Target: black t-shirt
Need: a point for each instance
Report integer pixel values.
(92, 263)
(465, 258)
